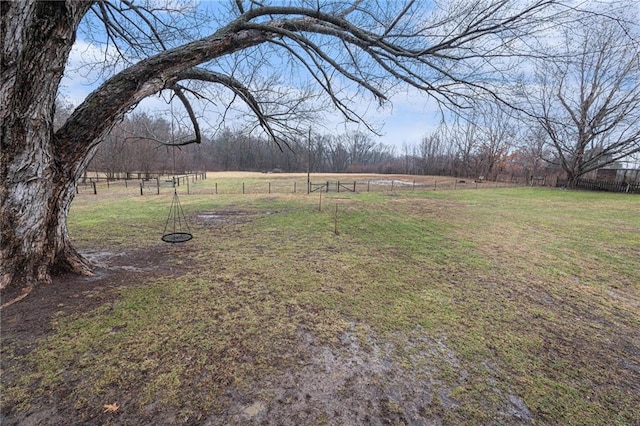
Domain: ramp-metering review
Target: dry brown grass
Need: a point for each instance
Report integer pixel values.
(511, 306)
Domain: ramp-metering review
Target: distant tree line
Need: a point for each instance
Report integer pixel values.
(568, 118)
(144, 144)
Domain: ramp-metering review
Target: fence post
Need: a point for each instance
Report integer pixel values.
(141, 186)
(435, 184)
(354, 186)
(368, 182)
(294, 187)
(338, 186)
(216, 188)
(391, 185)
(243, 187)
(158, 186)
(269, 187)
(187, 179)
(327, 186)
(95, 191)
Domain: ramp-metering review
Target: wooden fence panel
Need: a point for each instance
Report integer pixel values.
(599, 185)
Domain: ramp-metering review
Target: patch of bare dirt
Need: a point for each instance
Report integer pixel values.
(26, 323)
(356, 383)
(350, 383)
(214, 218)
(70, 293)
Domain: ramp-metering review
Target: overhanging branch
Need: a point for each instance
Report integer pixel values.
(178, 90)
(238, 89)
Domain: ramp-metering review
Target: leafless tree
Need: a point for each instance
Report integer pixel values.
(497, 135)
(344, 49)
(317, 156)
(360, 147)
(337, 154)
(531, 152)
(429, 149)
(140, 143)
(114, 156)
(588, 102)
(462, 134)
(436, 153)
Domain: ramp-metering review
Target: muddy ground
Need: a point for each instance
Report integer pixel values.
(344, 384)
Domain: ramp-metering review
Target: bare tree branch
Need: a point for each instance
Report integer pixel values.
(589, 102)
(194, 121)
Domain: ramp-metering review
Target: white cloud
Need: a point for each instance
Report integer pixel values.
(409, 117)
(86, 69)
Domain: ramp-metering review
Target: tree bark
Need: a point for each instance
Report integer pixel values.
(36, 189)
(39, 168)
(572, 180)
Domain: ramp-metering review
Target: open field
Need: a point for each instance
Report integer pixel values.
(278, 183)
(413, 306)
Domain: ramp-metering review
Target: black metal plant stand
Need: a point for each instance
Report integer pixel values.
(176, 230)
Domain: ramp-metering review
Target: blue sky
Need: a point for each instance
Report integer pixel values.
(407, 118)
(404, 121)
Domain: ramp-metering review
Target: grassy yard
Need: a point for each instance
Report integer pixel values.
(497, 305)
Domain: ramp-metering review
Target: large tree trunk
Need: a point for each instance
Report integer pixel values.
(34, 234)
(572, 180)
(39, 168)
(36, 187)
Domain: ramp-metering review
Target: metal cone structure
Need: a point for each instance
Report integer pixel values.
(176, 230)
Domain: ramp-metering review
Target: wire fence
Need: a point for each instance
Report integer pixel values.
(200, 183)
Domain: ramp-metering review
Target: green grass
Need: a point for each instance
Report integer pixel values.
(534, 292)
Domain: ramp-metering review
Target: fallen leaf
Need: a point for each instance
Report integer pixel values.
(110, 408)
